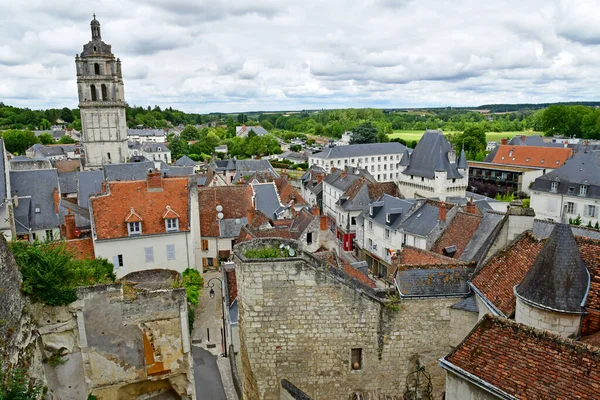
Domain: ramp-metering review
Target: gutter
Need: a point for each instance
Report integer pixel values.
(448, 366)
(543, 307)
(495, 311)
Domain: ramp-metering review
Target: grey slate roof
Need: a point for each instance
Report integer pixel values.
(146, 132)
(230, 227)
(90, 183)
(360, 150)
(39, 185)
(399, 210)
(259, 130)
(422, 220)
(267, 199)
(55, 150)
(68, 182)
(462, 160)
(467, 304)
(433, 282)
(185, 161)
(178, 171)
(405, 160)
(128, 171)
(431, 156)
(150, 147)
(558, 278)
(581, 169)
(249, 167)
(477, 245)
(543, 229)
(82, 215)
(534, 140)
(340, 180)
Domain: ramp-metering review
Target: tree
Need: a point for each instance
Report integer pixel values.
(46, 138)
(190, 133)
(473, 139)
(66, 139)
(179, 147)
(17, 141)
(267, 125)
(364, 133)
(66, 115)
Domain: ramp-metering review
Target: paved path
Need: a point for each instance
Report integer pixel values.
(206, 374)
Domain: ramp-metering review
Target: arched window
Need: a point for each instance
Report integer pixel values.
(93, 90)
(97, 68)
(104, 92)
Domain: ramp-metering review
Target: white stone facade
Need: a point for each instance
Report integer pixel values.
(383, 167)
(440, 186)
(559, 323)
(458, 388)
(559, 207)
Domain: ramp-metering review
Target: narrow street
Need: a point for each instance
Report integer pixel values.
(212, 371)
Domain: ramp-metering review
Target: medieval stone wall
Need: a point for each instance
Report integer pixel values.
(559, 323)
(300, 322)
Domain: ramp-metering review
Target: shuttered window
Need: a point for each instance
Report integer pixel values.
(149, 253)
(171, 252)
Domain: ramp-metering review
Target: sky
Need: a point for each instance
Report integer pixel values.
(239, 55)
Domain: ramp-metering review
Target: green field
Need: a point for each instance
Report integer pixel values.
(491, 136)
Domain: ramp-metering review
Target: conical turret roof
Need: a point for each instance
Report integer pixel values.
(462, 160)
(558, 278)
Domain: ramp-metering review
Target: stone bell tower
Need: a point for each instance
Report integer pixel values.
(102, 102)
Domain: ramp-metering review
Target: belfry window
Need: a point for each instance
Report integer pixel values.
(94, 94)
(97, 68)
(104, 92)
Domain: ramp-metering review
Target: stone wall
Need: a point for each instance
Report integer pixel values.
(300, 321)
(563, 324)
(460, 389)
(461, 323)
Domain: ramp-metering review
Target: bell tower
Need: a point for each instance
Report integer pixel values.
(102, 102)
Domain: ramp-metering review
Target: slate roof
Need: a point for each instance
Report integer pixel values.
(300, 222)
(432, 282)
(422, 221)
(542, 229)
(486, 231)
(151, 147)
(146, 132)
(39, 184)
(51, 150)
(89, 183)
(259, 130)
(467, 304)
(178, 171)
(398, 210)
(127, 171)
(267, 199)
(68, 182)
(249, 167)
(519, 362)
(581, 169)
(458, 232)
(185, 161)
(558, 279)
(530, 156)
(533, 140)
(360, 150)
(462, 160)
(341, 179)
(230, 227)
(431, 156)
(235, 200)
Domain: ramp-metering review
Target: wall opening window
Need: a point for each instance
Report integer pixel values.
(571, 190)
(172, 224)
(104, 92)
(118, 260)
(309, 238)
(356, 359)
(404, 239)
(591, 211)
(370, 225)
(108, 156)
(387, 233)
(93, 91)
(554, 187)
(134, 228)
(171, 252)
(49, 234)
(96, 68)
(149, 254)
(570, 207)
(370, 243)
(582, 190)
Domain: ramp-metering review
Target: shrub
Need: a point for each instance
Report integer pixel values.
(51, 274)
(526, 203)
(16, 385)
(193, 282)
(266, 252)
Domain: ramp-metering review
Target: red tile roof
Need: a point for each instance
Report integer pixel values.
(287, 191)
(231, 284)
(414, 256)
(111, 210)
(458, 233)
(528, 363)
(82, 249)
(359, 276)
(540, 157)
(235, 200)
(331, 259)
(590, 253)
(506, 269)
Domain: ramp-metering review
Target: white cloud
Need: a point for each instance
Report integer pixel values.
(235, 55)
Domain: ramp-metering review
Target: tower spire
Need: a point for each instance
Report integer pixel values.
(95, 25)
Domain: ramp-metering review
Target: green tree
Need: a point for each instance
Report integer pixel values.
(364, 133)
(46, 138)
(179, 147)
(267, 125)
(66, 139)
(190, 133)
(17, 141)
(473, 139)
(66, 115)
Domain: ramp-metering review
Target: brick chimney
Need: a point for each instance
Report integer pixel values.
(344, 173)
(315, 210)
(395, 260)
(323, 223)
(523, 137)
(471, 209)
(442, 217)
(319, 178)
(504, 141)
(70, 226)
(154, 181)
(251, 214)
(56, 199)
(332, 170)
(104, 186)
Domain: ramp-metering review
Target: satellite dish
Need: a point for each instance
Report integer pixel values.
(77, 232)
(219, 208)
(220, 215)
(292, 253)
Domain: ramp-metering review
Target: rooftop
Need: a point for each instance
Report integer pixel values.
(431, 156)
(360, 150)
(530, 156)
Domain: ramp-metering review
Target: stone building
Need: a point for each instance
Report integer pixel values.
(310, 323)
(102, 102)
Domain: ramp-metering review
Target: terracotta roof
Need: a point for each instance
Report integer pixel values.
(458, 233)
(82, 249)
(532, 156)
(132, 199)
(331, 259)
(235, 200)
(359, 276)
(287, 192)
(593, 339)
(414, 256)
(527, 363)
(590, 252)
(231, 284)
(507, 268)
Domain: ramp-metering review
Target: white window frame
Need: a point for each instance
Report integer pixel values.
(149, 254)
(387, 233)
(118, 261)
(171, 255)
(554, 186)
(592, 211)
(583, 190)
(370, 225)
(134, 228)
(570, 207)
(174, 224)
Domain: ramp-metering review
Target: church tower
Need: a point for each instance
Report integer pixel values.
(102, 102)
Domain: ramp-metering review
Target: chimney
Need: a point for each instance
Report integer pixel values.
(104, 186)
(15, 200)
(442, 217)
(395, 261)
(471, 209)
(504, 141)
(70, 226)
(319, 178)
(332, 170)
(56, 200)
(154, 181)
(323, 223)
(251, 214)
(344, 173)
(523, 137)
(315, 210)
(293, 202)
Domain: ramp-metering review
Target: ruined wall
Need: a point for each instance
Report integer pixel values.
(299, 321)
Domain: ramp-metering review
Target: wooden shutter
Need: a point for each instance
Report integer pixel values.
(171, 252)
(204, 245)
(204, 262)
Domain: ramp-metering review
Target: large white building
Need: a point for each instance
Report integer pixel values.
(570, 191)
(102, 102)
(432, 169)
(381, 160)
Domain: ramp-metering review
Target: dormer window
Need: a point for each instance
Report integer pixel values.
(134, 228)
(554, 187)
(542, 160)
(172, 224)
(371, 211)
(387, 218)
(583, 190)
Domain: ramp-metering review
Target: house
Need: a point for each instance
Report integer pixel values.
(295, 157)
(312, 186)
(218, 235)
(36, 198)
(243, 131)
(146, 224)
(146, 135)
(246, 169)
(288, 193)
(55, 151)
(221, 149)
(266, 199)
(502, 178)
(345, 139)
(185, 161)
(379, 159)
(426, 223)
(156, 152)
(432, 169)
(502, 359)
(545, 157)
(571, 191)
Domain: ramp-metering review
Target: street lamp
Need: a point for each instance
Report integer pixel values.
(211, 293)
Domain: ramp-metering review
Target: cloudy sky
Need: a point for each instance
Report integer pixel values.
(241, 55)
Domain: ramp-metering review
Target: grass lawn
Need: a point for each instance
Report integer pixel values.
(491, 136)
